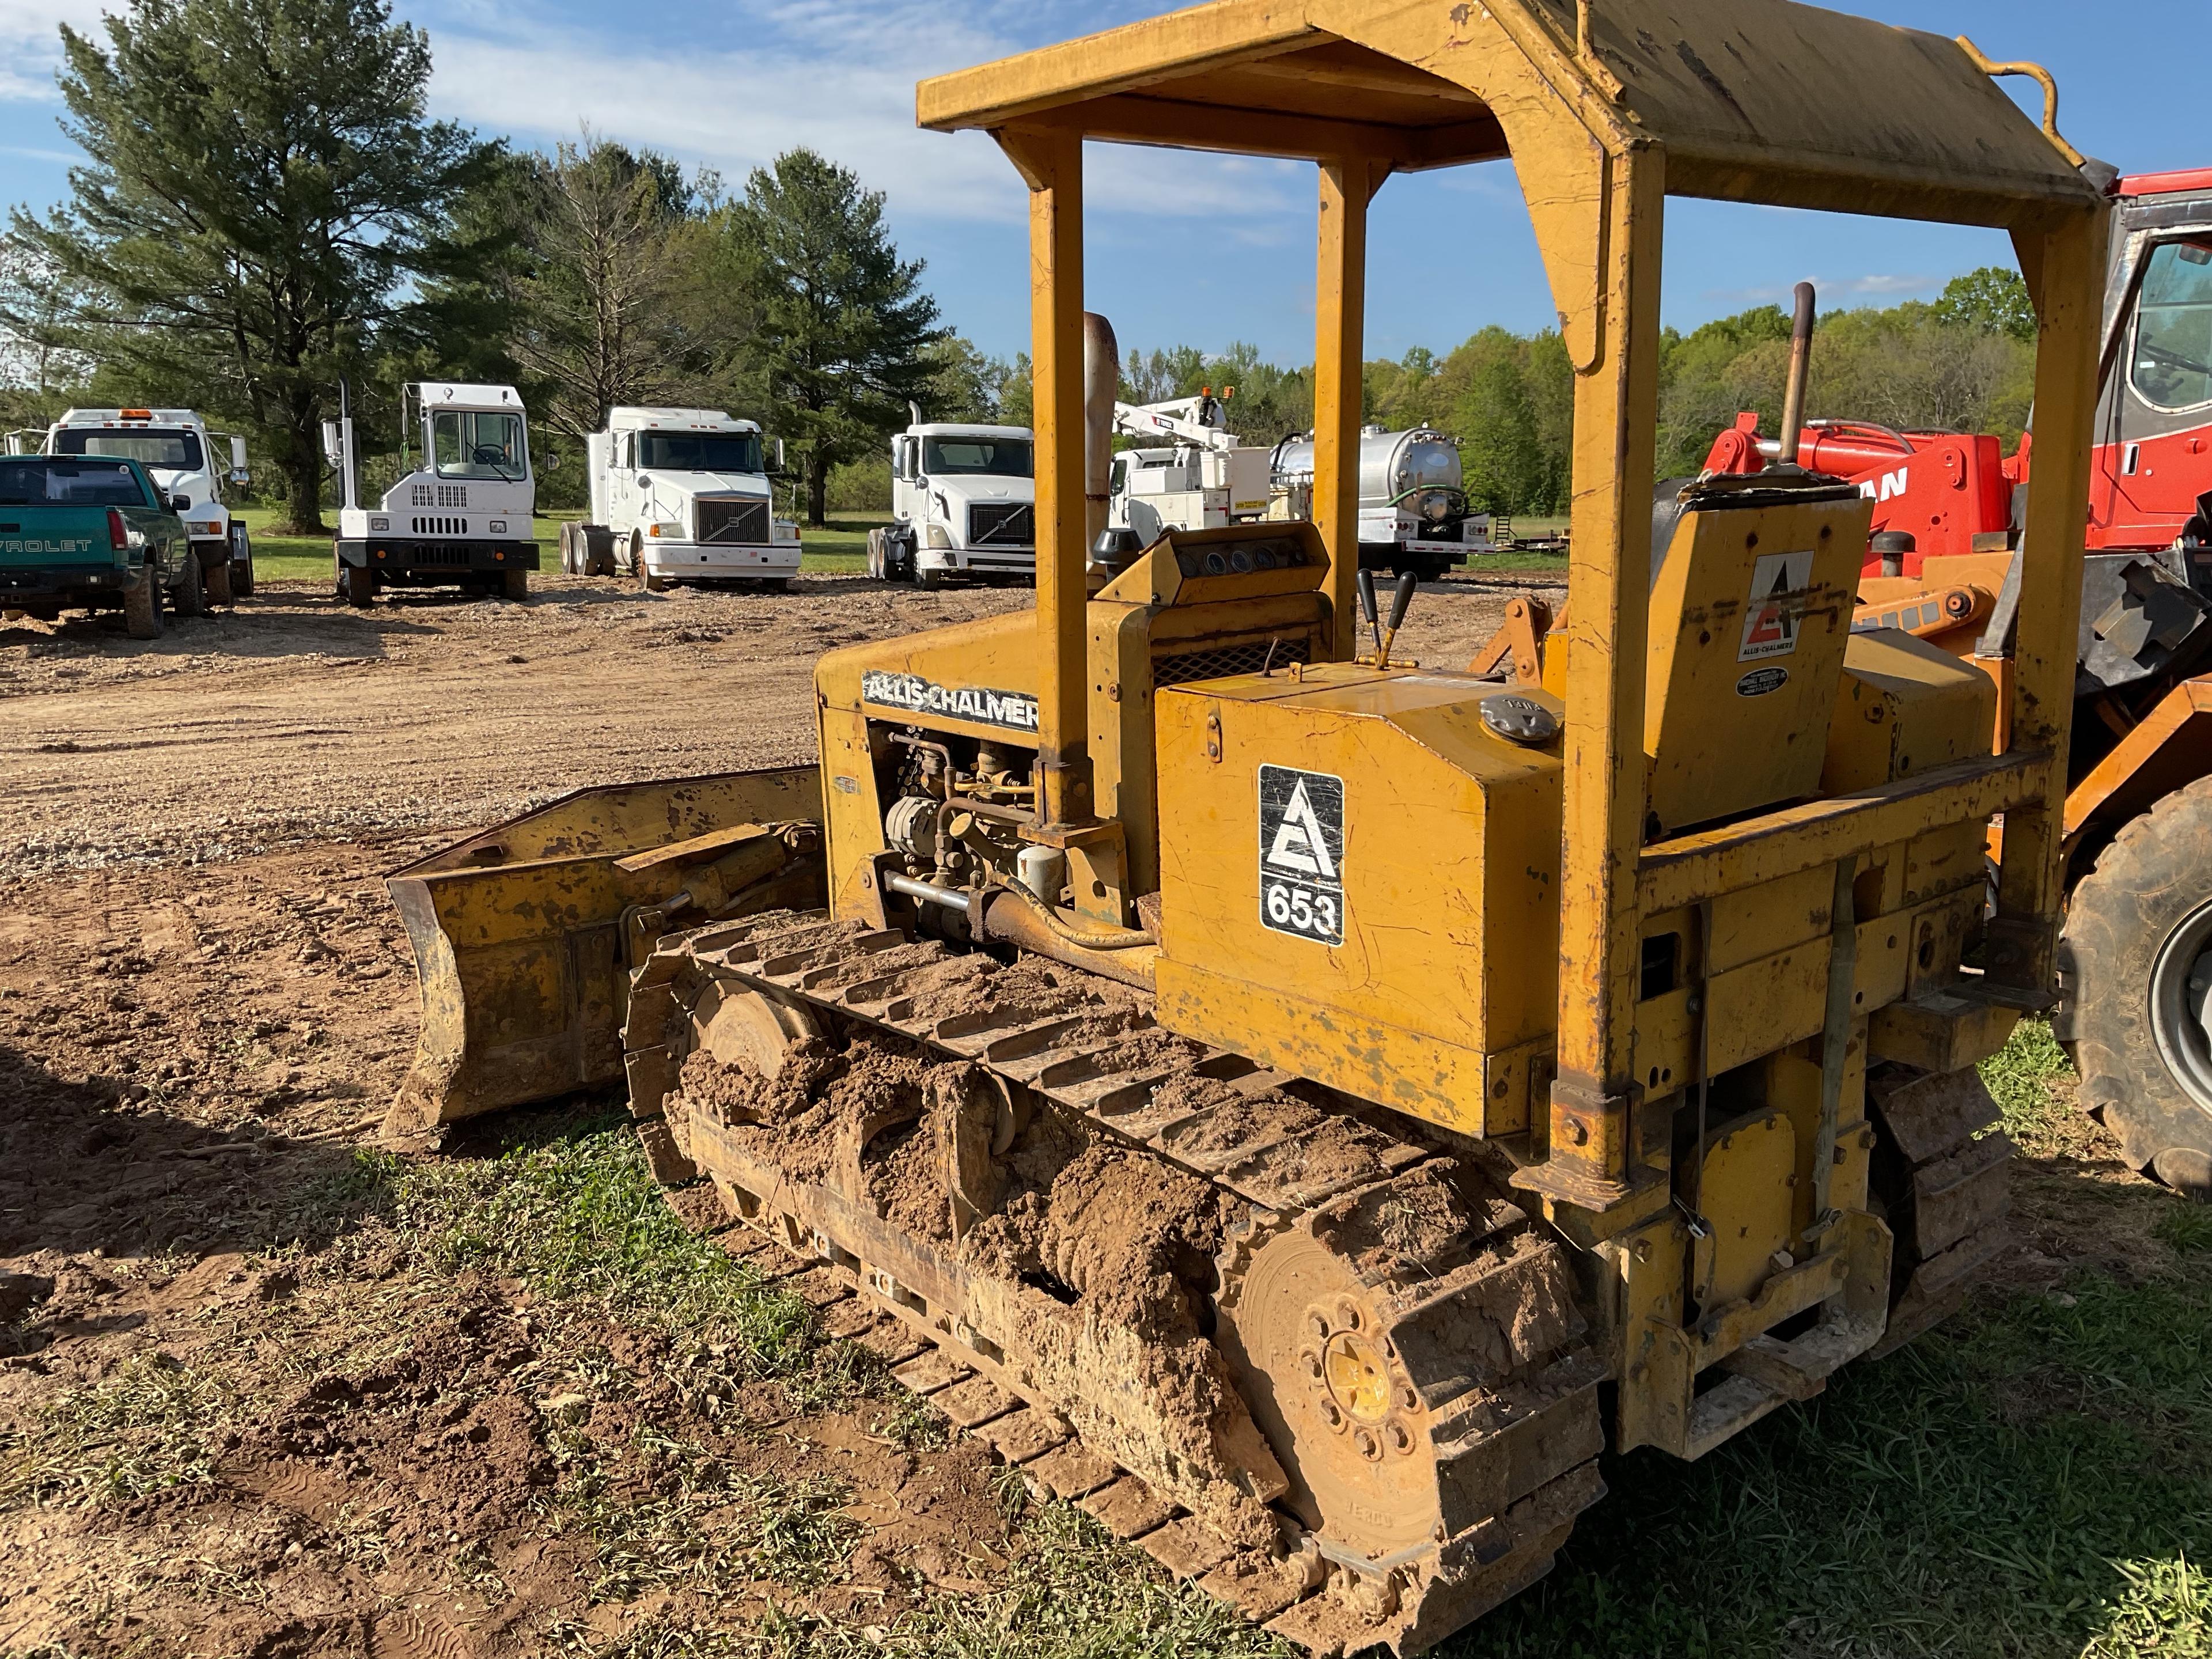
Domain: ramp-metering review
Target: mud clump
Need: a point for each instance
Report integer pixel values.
(851, 1119)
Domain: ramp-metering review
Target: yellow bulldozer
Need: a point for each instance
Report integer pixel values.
(1304, 1104)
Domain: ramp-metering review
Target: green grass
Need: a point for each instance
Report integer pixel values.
(838, 550)
(147, 1425)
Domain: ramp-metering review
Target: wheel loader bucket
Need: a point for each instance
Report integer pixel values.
(525, 935)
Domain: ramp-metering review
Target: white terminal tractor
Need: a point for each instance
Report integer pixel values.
(461, 515)
(181, 453)
(682, 495)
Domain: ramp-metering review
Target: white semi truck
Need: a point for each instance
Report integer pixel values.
(179, 453)
(682, 495)
(963, 503)
(460, 515)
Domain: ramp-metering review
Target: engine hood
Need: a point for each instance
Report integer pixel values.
(968, 487)
(708, 483)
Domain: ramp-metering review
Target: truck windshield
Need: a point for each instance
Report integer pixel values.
(469, 443)
(700, 452)
(171, 450)
(2173, 335)
(43, 481)
(1000, 458)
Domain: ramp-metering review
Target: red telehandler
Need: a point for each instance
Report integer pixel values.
(2135, 956)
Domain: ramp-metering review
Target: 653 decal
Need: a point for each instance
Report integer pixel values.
(1302, 854)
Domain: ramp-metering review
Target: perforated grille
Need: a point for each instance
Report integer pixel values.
(1250, 656)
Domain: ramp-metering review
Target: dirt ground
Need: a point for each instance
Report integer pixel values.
(252, 1403)
(244, 1408)
(298, 721)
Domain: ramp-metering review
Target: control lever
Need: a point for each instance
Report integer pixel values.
(1365, 580)
(1400, 602)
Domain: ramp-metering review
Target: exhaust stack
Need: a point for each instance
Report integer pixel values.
(1800, 369)
(1102, 384)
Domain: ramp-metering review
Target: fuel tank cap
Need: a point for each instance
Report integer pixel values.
(1520, 720)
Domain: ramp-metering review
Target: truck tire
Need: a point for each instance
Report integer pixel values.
(190, 596)
(514, 586)
(645, 578)
(2134, 979)
(216, 579)
(595, 551)
(876, 555)
(241, 562)
(568, 550)
(356, 585)
(142, 605)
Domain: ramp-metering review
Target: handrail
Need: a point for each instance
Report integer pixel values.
(2042, 77)
(1709, 863)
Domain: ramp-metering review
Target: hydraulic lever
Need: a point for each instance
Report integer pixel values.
(1365, 580)
(1400, 602)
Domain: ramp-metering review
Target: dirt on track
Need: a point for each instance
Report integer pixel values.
(240, 1412)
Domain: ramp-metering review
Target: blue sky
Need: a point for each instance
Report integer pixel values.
(1182, 249)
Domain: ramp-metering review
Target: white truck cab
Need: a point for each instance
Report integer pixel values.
(461, 515)
(683, 494)
(964, 502)
(187, 463)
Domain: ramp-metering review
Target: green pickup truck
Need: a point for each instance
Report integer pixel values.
(92, 532)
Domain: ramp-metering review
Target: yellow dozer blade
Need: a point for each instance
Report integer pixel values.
(525, 935)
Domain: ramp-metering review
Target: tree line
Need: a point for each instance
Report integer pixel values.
(266, 210)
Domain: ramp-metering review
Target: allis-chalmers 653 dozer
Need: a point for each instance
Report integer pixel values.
(1270, 1089)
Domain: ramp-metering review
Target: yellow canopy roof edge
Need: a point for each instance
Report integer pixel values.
(1098, 65)
(1759, 100)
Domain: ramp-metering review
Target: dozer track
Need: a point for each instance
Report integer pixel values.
(1323, 1369)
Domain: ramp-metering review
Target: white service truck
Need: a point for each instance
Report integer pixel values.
(460, 515)
(682, 494)
(1413, 512)
(1203, 477)
(963, 503)
(179, 454)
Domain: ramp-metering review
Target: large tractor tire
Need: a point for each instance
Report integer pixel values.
(514, 586)
(356, 585)
(142, 606)
(2135, 973)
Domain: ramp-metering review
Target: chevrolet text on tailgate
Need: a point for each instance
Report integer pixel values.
(87, 534)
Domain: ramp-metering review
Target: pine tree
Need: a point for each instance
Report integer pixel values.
(263, 190)
(845, 336)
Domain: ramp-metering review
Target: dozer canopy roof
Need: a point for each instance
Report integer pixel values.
(1757, 100)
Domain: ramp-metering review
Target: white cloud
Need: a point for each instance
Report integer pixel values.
(827, 75)
(1868, 285)
(30, 44)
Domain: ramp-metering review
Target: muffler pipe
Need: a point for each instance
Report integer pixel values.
(1101, 385)
(1800, 369)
